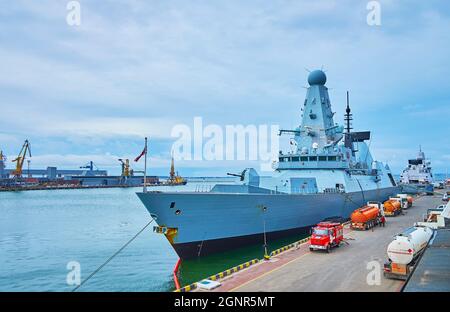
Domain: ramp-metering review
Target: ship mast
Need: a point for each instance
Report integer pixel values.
(348, 116)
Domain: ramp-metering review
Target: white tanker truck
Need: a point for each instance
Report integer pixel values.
(404, 251)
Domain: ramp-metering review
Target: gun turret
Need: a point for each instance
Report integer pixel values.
(241, 176)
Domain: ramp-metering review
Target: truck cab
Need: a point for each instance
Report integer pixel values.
(326, 235)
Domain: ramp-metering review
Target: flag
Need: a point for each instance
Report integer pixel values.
(142, 154)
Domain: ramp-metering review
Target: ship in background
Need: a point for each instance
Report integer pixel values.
(417, 177)
(330, 173)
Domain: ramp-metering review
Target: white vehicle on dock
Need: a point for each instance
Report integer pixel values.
(404, 251)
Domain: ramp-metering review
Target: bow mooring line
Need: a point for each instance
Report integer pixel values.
(113, 256)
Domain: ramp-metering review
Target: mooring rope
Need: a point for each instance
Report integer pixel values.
(113, 256)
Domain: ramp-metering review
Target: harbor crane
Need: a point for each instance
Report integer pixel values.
(126, 171)
(2, 164)
(21, 159)
(174, 178)
(90, 165)
(2, 157)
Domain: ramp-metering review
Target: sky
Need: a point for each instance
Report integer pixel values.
(138, 68)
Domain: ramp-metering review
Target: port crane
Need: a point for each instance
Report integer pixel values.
(2, 157)
(21, 159)
(126, 171)
(174, 178)
(2, 164)
(90, 165)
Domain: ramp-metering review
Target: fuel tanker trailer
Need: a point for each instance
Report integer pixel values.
(392, 208)
(404, 251)
(368, 216)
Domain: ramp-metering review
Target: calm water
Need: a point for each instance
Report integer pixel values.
(41, 231)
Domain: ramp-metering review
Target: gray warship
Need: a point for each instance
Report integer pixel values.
(329, 174)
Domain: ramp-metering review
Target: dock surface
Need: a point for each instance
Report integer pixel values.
(345, 269)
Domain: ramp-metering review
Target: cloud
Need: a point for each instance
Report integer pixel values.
(135, 68)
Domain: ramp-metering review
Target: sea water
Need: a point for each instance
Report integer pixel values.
(41, 232)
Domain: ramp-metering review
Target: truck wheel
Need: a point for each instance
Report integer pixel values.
(328, 249)
(311, 249)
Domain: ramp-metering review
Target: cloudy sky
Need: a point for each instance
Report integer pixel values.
(137, 68)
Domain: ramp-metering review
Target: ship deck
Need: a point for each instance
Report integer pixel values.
(345, 269)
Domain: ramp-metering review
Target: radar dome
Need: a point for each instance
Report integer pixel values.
(317, 77)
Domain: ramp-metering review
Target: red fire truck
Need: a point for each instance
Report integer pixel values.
(326, 235)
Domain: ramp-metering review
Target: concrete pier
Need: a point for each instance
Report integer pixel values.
(345, 269)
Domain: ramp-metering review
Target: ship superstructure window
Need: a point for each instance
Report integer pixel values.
(172, 205)
(313, 158)
(331, 158)
(303, 158)
(295, 158)
(322, 158)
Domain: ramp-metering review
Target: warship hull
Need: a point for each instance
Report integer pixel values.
(206, 223)
(416, 188)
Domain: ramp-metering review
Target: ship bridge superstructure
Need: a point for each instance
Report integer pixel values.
(319, 142)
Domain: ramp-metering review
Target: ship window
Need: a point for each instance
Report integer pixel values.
(172, 205)
(178, 212)
(322, 158)
(303, 158)
(313, 158)
(331, 158)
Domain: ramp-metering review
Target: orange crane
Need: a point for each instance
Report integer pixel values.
(2, 164)
(21, 159)
(126, 170)
(174, 178)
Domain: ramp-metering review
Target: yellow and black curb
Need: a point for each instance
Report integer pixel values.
(287, 247)
(232, 270)
(187, 288)
(220, 275)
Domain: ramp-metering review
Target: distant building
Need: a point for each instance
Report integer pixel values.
(53, 173)
(113, 180)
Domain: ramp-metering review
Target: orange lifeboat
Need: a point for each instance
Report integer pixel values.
(392, 207)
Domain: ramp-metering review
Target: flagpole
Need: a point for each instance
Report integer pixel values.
(145, 167)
